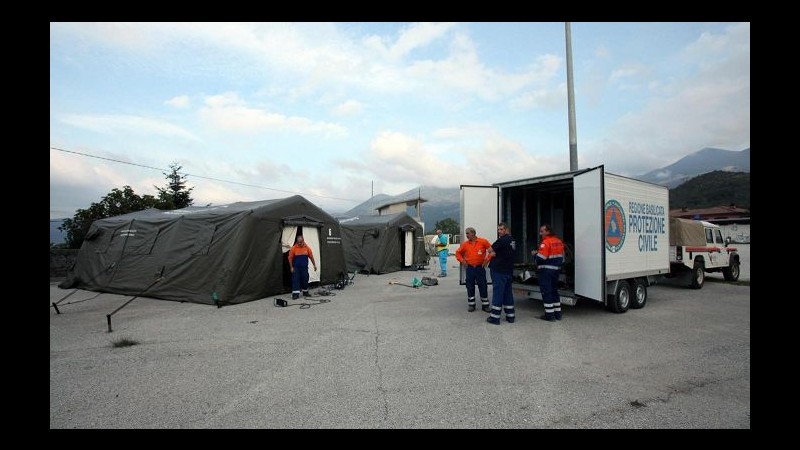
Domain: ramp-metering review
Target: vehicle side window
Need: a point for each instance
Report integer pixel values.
(709, 235)
(718, 237)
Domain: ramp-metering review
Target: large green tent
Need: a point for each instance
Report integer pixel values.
(383, 244)
(228, 254)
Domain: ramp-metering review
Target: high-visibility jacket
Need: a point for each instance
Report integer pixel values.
(441, 243)
(299, 256)
(473, 253)
(550, 254)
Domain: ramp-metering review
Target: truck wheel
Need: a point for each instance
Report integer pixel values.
(731, 273)
(639, 298)
(622, 298)
(698, 275)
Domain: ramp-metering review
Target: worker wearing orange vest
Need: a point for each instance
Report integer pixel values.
(549, 259)
(473, 254)
(299, 255)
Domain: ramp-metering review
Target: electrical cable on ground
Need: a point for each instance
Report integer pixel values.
(303, 305)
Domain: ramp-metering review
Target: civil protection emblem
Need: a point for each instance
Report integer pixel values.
(615, 225)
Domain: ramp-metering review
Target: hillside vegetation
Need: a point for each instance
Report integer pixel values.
(712, 189)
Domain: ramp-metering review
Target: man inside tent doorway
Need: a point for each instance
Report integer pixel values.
(299, 256)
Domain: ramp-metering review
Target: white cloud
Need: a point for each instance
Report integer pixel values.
(227, 112)
(403, 161)
(110, 124)
(409, 38)
(468, 131)
(627, 71)
(463, 71)
(418, 35)
(128, 36)
(181, 101)
(735, 40)
(401, 156)
(501, 159)
(77, 181)
(449, 133)
(541, 98)
(311, 57)
(709, 108)
(348, 108)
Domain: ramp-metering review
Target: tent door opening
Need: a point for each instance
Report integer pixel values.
(288, 238)
(408, 249)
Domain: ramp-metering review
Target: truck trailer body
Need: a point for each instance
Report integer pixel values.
(615, 230)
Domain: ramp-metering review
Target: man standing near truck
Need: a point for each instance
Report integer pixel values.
(502, 270)
(472, 253)
(549, 259)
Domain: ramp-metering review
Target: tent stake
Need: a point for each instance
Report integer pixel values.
(55, 304)
(108, 316)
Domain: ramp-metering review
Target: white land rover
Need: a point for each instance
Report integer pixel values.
(697, 247)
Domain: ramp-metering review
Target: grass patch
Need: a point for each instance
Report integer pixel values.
(124, 342)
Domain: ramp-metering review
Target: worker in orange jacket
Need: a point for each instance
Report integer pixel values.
(473, 254)
(299, 255)
(549, 259)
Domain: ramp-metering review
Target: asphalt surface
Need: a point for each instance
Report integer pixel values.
(382, 355)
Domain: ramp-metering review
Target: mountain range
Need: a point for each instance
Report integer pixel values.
(699, 162)
(443, 203)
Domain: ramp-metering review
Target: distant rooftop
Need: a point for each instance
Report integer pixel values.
(714, 213)
(396, 206)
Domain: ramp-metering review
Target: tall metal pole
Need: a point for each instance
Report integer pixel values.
(573, 139)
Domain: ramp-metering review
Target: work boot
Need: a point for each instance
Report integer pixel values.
(510, 319)
(471, 308)
(493, 320)
(295, 296)
(442, 275)
(306, 294)
(547, 318)
(486, 308)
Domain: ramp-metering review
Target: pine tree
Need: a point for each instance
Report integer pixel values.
(175, 195)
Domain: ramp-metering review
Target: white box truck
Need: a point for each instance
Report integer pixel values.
(615, 229)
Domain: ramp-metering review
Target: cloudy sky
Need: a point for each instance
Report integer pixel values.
(327, 110)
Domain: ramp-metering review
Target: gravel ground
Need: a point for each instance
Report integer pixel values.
(381, 355)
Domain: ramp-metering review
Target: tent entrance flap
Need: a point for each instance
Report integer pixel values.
(311, 236)
(408, 254)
